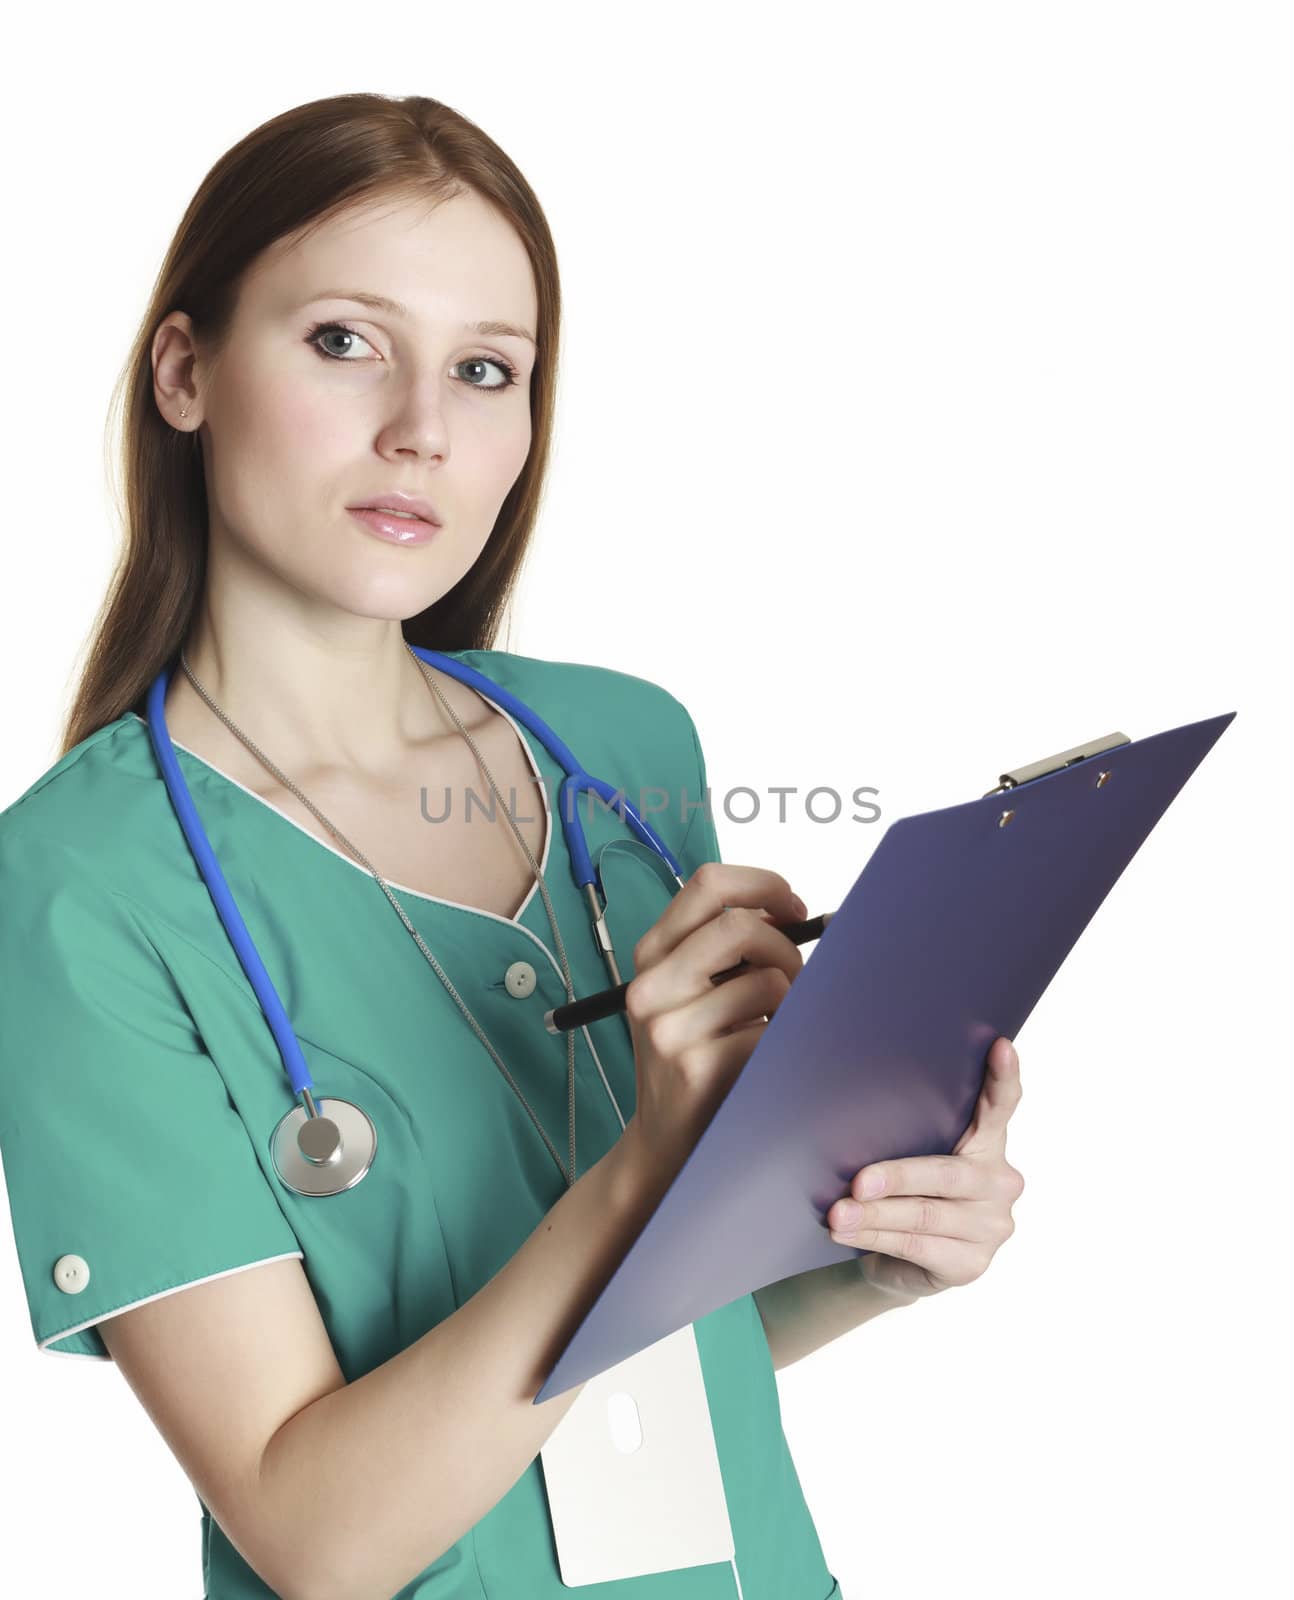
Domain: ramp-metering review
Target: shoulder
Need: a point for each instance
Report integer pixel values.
(98, 803)
(590, 699)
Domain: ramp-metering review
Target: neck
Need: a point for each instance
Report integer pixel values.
(359, 703)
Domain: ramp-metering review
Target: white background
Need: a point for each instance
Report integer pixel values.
(925, 409)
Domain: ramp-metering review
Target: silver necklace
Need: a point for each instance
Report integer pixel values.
(386, 890)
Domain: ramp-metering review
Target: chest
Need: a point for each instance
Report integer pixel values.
(437, 826)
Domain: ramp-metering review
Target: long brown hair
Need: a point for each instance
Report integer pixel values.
(293, 173)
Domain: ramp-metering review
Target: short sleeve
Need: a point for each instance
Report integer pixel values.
(700, 841)
(129, 1172)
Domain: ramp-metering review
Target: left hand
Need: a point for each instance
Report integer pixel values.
(939, 1220)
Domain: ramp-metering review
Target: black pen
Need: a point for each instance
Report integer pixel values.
(593, 1007)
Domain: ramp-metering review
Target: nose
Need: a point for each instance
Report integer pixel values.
(417, 423)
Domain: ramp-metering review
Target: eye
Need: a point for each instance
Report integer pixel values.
(509, 372)
(323, 330)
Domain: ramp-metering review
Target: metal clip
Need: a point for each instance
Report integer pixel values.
(1066, 758)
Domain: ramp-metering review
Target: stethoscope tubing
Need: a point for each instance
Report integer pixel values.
(294, 1061)
(577, 781)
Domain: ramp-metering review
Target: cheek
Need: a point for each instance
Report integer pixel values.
(291, 430)
(489, 459)
(272, 435)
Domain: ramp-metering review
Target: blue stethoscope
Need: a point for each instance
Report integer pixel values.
(316, 1154)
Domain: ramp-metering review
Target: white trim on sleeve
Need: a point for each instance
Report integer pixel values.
(78, 1355)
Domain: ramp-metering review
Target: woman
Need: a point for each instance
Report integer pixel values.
(361, 304)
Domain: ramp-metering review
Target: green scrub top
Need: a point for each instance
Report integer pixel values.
(140, 1086)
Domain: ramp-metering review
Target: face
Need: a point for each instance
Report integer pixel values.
(318, 401)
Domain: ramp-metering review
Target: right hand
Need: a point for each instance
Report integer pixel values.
(692, 1037)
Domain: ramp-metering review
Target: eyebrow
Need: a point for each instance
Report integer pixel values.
(380, 302)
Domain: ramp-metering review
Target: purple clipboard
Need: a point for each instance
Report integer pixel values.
(955, 926)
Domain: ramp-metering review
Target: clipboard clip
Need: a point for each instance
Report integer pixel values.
(1056, 763)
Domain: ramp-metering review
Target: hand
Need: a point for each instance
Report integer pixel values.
(936, 1221)
(691, 1037)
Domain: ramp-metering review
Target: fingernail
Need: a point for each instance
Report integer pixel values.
(800, 907)
(873, 1182)
(847, 1213)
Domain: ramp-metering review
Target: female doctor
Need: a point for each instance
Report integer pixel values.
(361, 308)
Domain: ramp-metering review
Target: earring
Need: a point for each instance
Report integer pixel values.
(185, 412)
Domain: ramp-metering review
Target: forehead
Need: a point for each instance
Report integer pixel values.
(445, 260)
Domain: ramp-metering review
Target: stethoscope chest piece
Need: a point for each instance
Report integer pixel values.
(327, 1151)
(323, 1154)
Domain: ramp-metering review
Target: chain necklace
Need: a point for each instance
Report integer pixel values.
(385, 887)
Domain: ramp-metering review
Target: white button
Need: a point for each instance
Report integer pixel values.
(71, 1274)
(520, 979)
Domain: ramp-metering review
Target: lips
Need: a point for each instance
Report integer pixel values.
(412, 505)
(398, 530)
